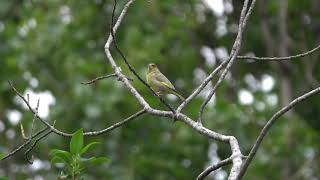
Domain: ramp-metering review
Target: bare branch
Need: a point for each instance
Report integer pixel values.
(234, 52)
(236, 153)
(201, 86)
(102, 77)
(214, 167)
(22, 132)
(121, 123)
(23, 145)
(268, 125)
(282, 58)
(129, 65)
(30, 161)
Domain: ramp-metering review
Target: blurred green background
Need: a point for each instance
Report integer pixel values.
(48, 47)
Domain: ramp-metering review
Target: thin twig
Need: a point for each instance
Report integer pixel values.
(34, 118)
(30, 161)
(102, 77)
(268, 125)
(22, 132)
(24, 144)
(121, 123)
(129, 65)
(214, 167)
(281, 58)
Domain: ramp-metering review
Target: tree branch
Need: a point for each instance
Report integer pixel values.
(23, 145)
(102, 77)
(214, 167)
(268, 125)
(236, 153)
(281, 58)
(234, 52)
(129, 65)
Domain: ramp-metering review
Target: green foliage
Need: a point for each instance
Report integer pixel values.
(59, 44)
(2, 155)
(73, 161)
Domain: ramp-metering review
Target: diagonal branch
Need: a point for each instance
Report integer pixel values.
(24, 144)
(236, 153)
(268, 125)
(58, 132)
(129, 65)
(234, 52)
(214, 167)
(282, 58)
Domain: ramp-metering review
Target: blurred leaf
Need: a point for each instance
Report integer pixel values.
(76, 142)
(87, 147)
(93, 161)
(57, 159)
(66, 156)
(2, 155)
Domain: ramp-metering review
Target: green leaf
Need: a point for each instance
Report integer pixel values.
(76, 142)
(2, 156)
(65, 155)
(87, 147)
(4, 178)
(57, 159)
(93, 161)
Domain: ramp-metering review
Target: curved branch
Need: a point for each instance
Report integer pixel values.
(268, 125)
(234, 52)
(282, 58)
(214, 167)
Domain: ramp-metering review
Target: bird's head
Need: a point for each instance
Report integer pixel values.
(152, 67)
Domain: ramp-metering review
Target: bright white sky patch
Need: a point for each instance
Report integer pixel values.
(208, 55)
(65, 14)
(46, 99)
(220, 175)
(37, 165)
(228, 7)
(252, 82)
(272, 99)
(14, 116)
(267, 83)
(2, 126)
(215, 5)
(221, 53)
(245, 97)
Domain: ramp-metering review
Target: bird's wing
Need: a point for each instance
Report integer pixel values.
(160, 77)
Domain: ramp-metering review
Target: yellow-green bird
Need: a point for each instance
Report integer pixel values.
(159, 83)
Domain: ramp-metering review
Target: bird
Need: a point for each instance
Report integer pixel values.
(159, 83)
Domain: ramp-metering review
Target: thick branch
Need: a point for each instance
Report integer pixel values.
(236, 153)
(129, 65)
(268, 125)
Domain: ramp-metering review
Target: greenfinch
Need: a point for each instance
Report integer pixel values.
(159, 83)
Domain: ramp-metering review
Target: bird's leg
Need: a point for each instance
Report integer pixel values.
(158, 94)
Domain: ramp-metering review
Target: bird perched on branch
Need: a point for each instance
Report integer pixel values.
(159, 83)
